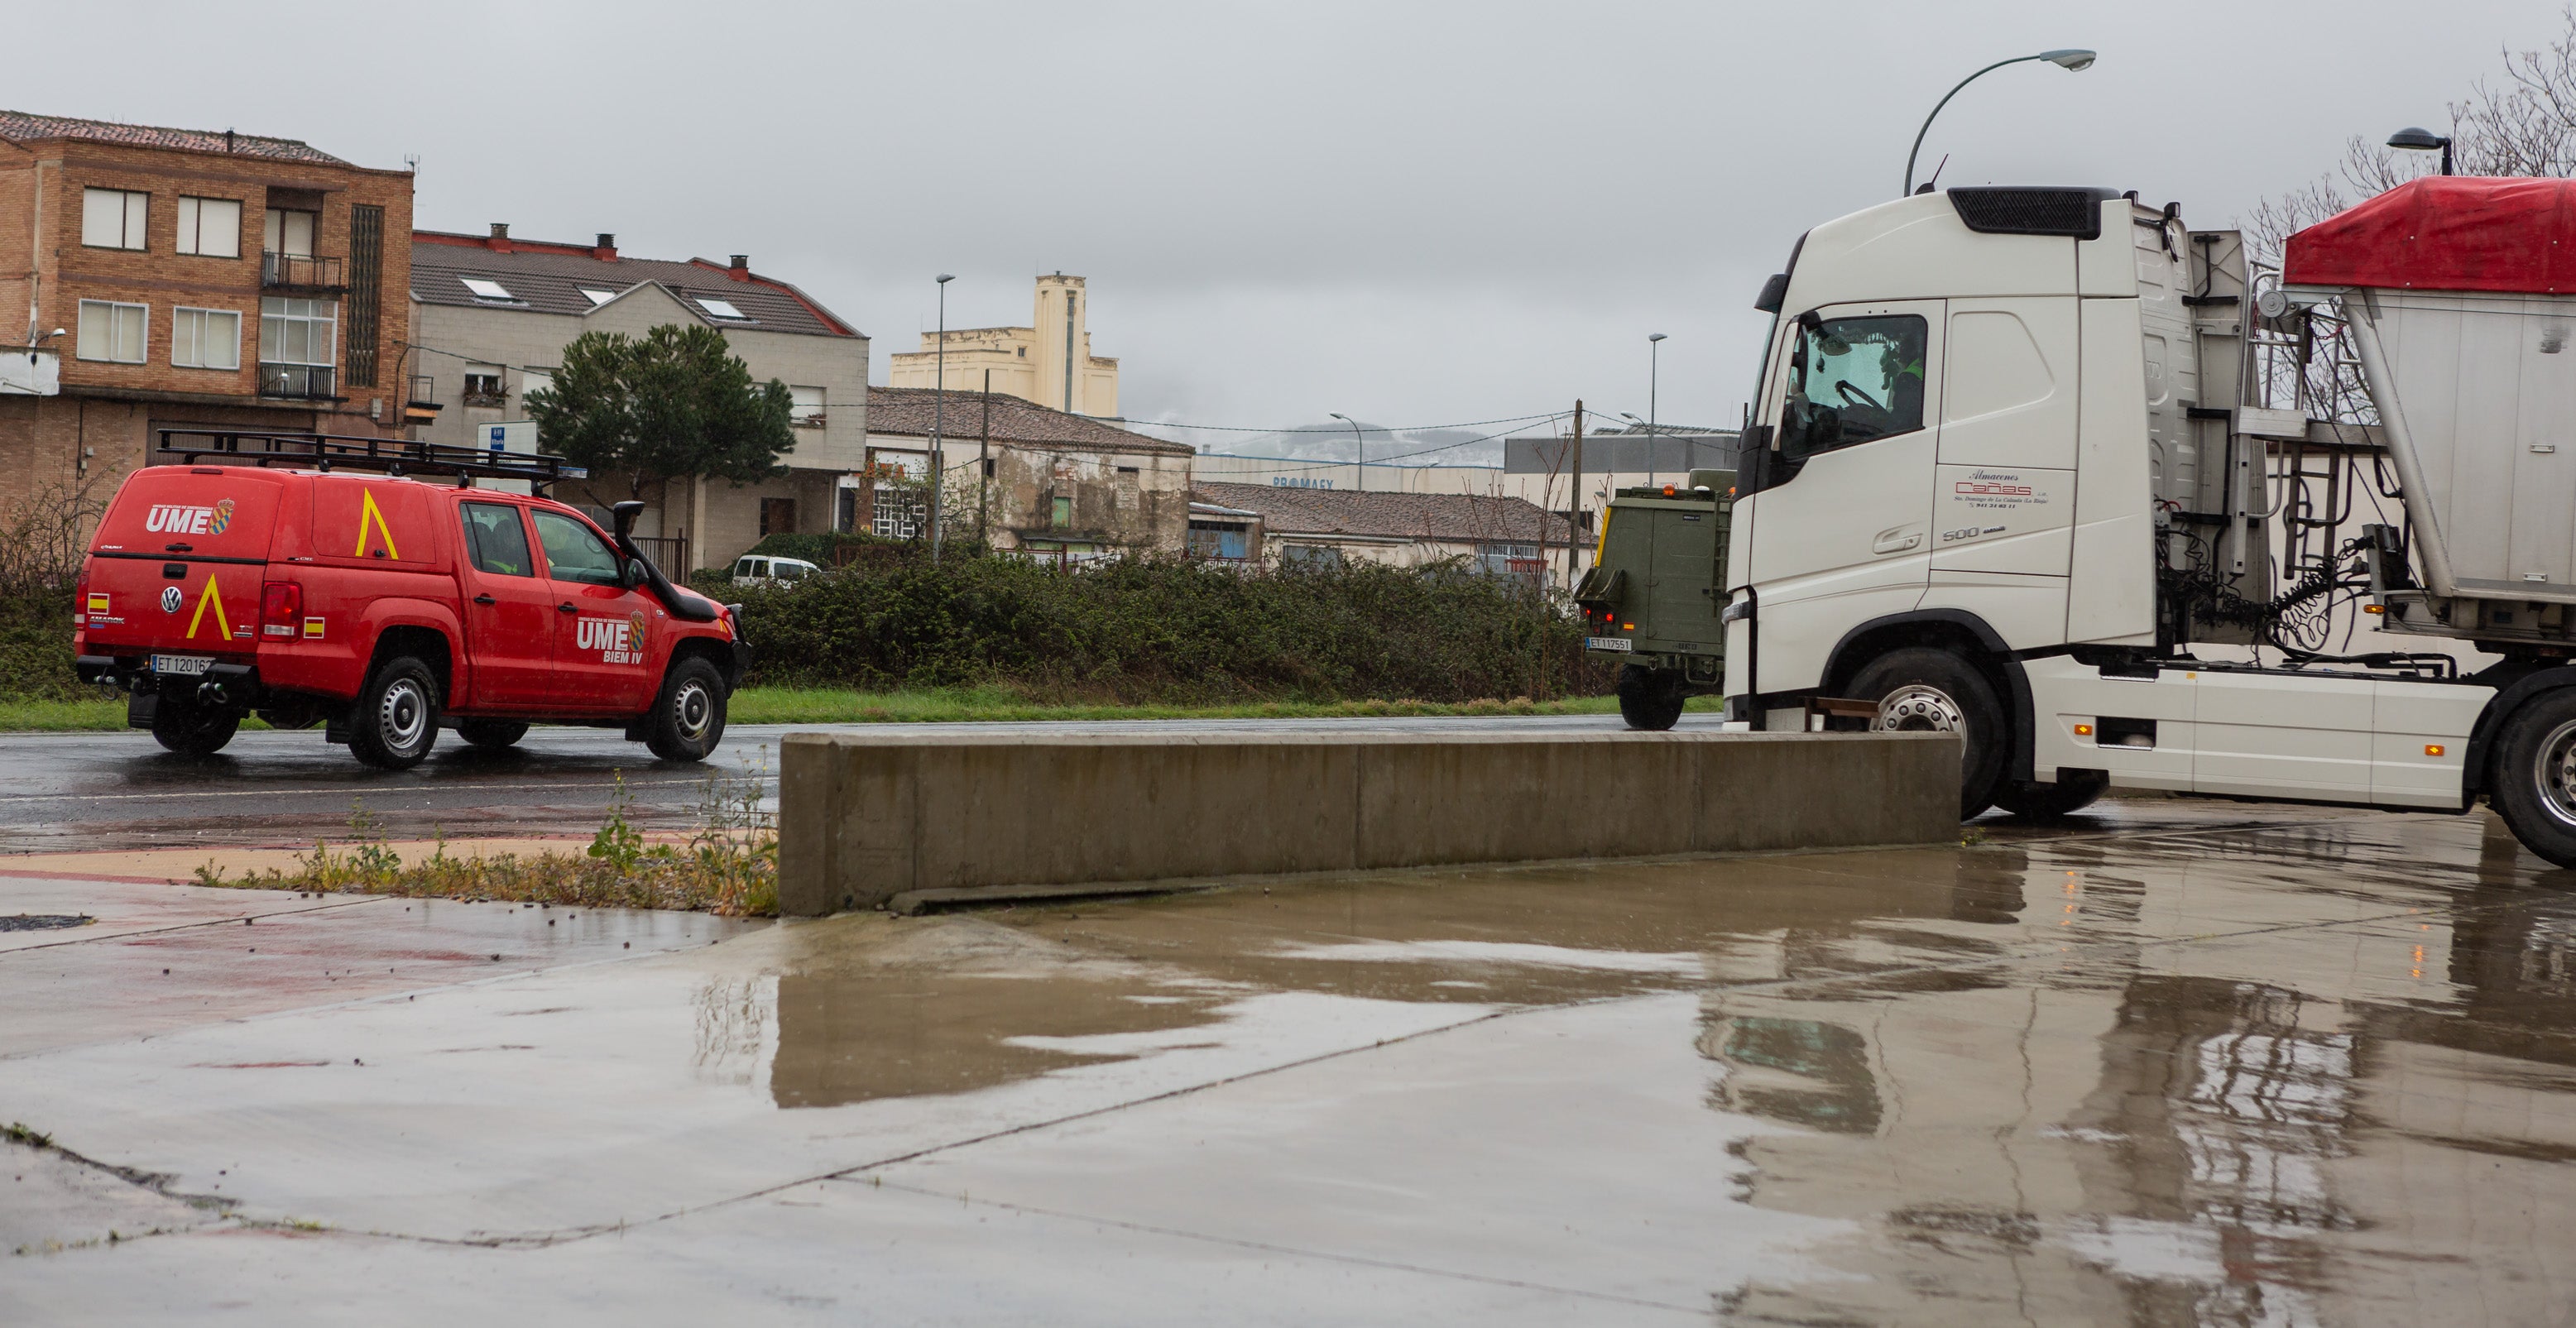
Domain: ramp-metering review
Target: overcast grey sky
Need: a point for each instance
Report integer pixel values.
(1412, 213)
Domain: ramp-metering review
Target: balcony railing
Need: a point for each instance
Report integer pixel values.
(300, 272)
(299, 382)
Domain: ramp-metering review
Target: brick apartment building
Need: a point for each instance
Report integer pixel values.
(491, 315)
(198, 279)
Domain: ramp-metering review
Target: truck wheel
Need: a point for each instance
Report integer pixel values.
(192, 730)
(1920, 688)
(1650, 699)
(493, 733)
(2034, 801)
(2534, 783)
(396, 720)
(688, 718)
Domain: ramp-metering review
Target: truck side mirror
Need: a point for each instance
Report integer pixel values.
(1775, 290)
(635, 573)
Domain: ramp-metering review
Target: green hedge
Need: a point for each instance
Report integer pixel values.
(36, 648)
(1157, 630)
(1136, 630)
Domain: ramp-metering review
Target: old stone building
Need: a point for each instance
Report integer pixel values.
(188, 279)
(1029, 479)
(1276, 524)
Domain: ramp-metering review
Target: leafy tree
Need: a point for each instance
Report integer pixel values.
(674, 402)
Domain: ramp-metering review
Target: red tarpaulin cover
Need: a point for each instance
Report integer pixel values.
(2464, 233)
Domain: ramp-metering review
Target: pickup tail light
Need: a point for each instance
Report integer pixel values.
(281, 603)
(80, 600)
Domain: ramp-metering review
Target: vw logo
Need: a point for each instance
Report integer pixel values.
(170, 598)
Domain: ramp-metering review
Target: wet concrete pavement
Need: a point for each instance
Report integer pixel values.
(2182, 1062)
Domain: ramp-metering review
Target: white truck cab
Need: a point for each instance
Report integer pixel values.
(2014, 470)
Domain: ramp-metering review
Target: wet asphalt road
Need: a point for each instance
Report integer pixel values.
(97, 791)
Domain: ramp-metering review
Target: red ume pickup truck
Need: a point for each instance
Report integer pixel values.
(368, 586)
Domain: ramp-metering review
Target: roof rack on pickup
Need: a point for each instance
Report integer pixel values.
(393, 456)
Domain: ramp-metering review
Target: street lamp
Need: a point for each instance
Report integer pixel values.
(2071, 61)
(2423, 140)
(1360, 443)
(938, 415)
(1654, 373)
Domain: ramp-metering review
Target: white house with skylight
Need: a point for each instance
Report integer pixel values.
(491, 316)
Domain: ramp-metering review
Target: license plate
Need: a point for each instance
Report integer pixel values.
(1620, 643)
(181, 665)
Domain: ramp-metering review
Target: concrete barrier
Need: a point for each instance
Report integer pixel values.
(865, 816)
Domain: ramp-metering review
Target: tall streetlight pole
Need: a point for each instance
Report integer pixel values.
(1358, 442)
(2070, 61)
(1654, 373)
(939, 415)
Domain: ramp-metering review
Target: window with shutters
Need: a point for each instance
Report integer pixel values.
(113, 218)
(210, 227)
(205, 338)
(113, 332)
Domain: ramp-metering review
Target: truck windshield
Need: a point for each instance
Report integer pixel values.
(1853, 380)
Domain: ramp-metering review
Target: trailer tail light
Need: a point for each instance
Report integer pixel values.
(280, 604)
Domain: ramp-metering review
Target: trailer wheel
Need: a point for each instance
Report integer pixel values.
(493, 733)
(396, 721)
(2034, 801)
(1650, 699)
(688, 718)
(1923, 689)
(2534, 783)
(190, 729)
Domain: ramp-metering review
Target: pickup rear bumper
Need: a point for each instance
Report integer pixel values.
(235, 686)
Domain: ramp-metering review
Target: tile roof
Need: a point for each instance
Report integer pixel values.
(1449, 517)
(23, 126)
(546, 277)
(908, 411)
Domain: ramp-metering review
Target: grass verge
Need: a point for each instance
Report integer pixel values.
(728, 866)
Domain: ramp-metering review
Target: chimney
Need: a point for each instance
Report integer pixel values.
(741, 268)
(500, 241)
(606, 248)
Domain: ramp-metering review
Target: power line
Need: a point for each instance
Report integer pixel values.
(1336, 428)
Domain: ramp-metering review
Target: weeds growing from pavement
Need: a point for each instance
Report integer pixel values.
(728, 865)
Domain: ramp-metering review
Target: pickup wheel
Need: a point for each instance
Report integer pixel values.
(493, 733)
(191, 729)
(1920, 688)
(688, 718)
(2034, 801)
(1650, 699)
(396, 720)
(2534, 783)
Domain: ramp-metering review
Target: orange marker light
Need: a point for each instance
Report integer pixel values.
(2083, 730)
(1668, 491)
(2374, 608)
(1627, 627)
(2432, 749)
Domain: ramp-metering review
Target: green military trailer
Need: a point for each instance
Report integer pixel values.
(1655, 596)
